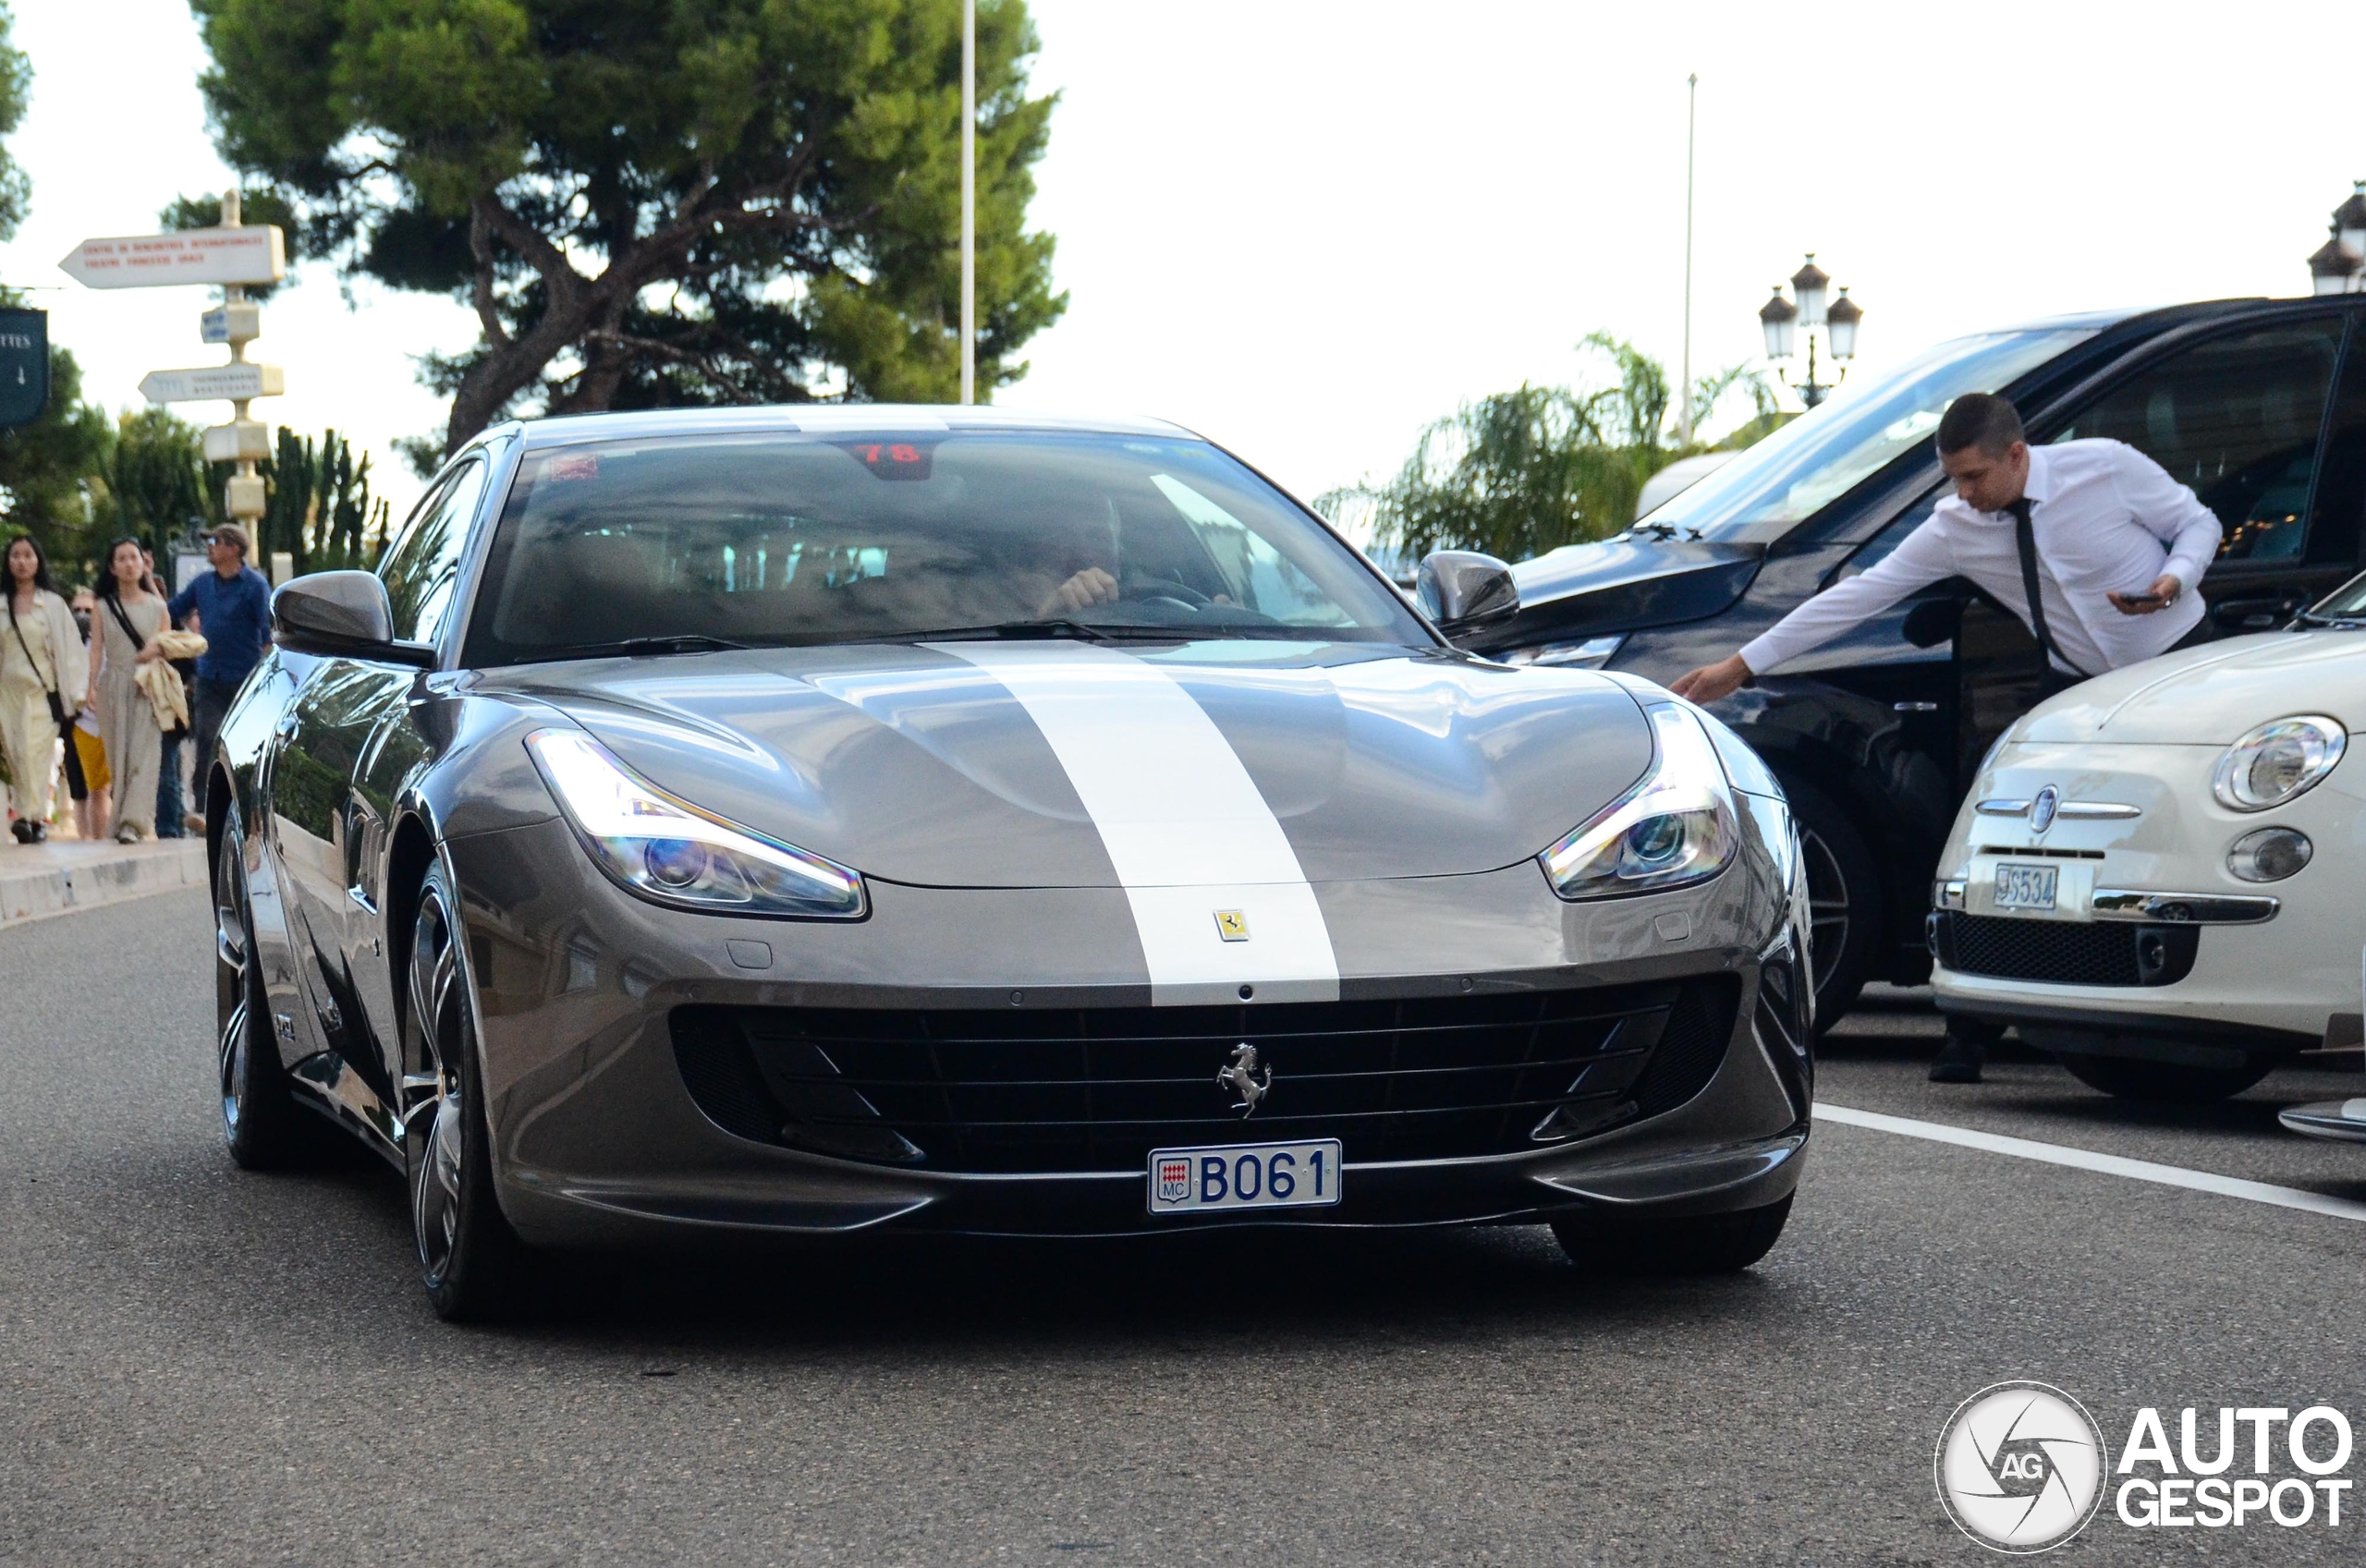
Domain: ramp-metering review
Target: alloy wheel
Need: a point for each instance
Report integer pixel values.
(233, 989)
(1828, 908)
(435, 1119)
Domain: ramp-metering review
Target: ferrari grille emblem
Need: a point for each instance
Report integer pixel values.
(1232, 925)
(1241, 1079)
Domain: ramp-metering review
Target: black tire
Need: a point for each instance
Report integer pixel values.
(2129, 1078)
(1848, 903)
(262, 1126)
(1704, 1244)
(473, 1265)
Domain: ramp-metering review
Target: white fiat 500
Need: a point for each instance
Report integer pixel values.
(2157, 874)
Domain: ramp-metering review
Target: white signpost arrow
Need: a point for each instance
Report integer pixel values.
(238, 383)
(249, 253)
(236, 256)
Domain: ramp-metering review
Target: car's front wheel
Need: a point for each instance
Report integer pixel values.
(1701, 1243)
(2129, 1078)
(1847, 908)
(261, 1124)
(473, 1265)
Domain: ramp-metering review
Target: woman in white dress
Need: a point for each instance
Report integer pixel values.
(123, 638)
(40, 659)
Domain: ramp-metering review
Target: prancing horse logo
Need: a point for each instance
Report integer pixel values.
(1241, 1079)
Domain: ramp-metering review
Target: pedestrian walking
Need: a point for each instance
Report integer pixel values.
(169, 794)
(231, 606)
(2090, 543)
(42, 677)
(131, 618)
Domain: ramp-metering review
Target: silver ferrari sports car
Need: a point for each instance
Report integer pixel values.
(719, 824)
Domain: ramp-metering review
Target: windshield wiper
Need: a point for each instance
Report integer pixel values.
(2344, 623)
(636, 647)
(1006, 631)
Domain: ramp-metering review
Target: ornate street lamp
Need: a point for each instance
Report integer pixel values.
(2350, 221)
(1783, 319)
(1840, 327)
(1807, 287)
(2334, 268)
(1775, 317)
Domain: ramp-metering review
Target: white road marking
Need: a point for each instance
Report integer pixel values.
(2087, 1160)
(1183, 821)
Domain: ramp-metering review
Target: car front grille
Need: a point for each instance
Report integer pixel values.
(2074, 953)
(1097, 1090)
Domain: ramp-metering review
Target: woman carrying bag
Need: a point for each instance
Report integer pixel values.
(131, 618)
(43, 678)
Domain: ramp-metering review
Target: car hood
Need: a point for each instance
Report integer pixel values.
(971, 764)
(2210, 695)
(1620, 585)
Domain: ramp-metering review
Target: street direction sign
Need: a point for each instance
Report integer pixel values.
(237, 383)
(241, 322)
(248, 253)
(240, 440)
(24, 366)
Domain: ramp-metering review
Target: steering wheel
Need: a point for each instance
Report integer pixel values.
(1156, 591)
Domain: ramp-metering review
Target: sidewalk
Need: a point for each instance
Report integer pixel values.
(37, 879)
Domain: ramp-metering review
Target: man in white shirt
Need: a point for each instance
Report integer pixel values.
(2117, 547)
(2090, 543)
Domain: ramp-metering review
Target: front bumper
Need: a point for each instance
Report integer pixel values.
(597, 1139)
(2214, 965)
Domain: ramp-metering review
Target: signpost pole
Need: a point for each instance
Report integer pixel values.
(242, 498)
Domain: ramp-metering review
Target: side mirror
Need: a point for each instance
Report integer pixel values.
(1462, 590)
(1933, 622)
(345, 614)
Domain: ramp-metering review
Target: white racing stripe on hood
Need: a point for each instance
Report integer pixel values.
(1181, 819)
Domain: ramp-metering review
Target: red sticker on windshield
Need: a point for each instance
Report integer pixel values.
(571, 465)
(892, 459)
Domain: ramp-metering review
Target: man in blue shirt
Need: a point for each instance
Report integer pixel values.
(230, 606)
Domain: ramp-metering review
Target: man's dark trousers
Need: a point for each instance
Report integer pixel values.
(213, 701)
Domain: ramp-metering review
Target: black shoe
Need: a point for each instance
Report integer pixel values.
(1958, 1060)
(40, 834)
(23, 830)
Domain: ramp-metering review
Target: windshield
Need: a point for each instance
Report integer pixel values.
(2347, 602)
(783, 538)
(1757, 497)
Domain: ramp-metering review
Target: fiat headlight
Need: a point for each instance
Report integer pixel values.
(672, 853)
(1674, 828)
(2278, 762)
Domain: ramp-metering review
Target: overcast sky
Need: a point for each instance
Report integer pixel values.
(1307, 229)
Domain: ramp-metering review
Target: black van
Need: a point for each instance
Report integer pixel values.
(2259, 405)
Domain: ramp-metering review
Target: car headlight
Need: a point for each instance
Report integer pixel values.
(1591, 654)
(2277, 763)
(672, 853)
(1674, 828)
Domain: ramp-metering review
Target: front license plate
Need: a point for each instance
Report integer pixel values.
(1245, 1176)
(2026, 887)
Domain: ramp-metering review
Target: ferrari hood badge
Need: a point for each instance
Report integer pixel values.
(1232, 925)
(1242, 1080)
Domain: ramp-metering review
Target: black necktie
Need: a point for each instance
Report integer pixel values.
(2025, 541)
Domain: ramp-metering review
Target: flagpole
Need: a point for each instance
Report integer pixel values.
(1691, 101)
(969, 200)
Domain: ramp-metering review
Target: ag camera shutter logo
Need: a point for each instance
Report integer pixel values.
(2020, 1467)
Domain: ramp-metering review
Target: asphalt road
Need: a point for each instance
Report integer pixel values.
(201, 1365)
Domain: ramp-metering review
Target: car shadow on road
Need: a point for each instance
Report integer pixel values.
(1411, 1288)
